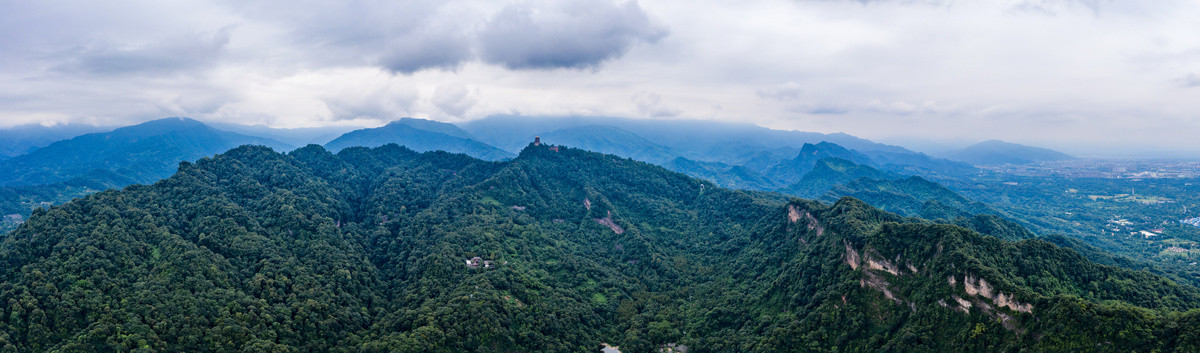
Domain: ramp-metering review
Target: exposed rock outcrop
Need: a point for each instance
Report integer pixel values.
(608, 222)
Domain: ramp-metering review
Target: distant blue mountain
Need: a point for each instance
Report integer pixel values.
(790, 171)
(754, 147)
(292, 136)
(723, 175)
(141, 153)
(611, 140)
(692, 138)
(23, 139)
(992, 152)
(829, 172)
(421, 136)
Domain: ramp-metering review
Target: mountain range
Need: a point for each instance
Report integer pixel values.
(135, 153)
(556, 250)
(732, 155)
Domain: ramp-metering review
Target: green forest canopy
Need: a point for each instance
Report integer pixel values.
(370, 250)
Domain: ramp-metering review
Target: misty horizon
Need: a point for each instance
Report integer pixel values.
(937, 147)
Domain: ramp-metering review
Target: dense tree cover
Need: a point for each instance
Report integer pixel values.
(367, 250)
(94, 162)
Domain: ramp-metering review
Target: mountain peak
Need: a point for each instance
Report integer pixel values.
(432, 126)
(161, 126)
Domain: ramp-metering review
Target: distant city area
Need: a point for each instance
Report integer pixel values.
(1103, 168)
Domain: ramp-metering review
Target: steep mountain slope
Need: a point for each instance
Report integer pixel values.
(389, 250)
(1000, 152)
(140, 154)
(419, 135)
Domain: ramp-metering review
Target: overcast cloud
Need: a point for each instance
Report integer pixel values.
(1071, 74)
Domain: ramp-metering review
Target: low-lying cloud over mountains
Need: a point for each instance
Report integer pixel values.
(1066, 74)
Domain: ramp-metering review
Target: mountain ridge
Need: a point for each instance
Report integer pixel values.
(144, 153)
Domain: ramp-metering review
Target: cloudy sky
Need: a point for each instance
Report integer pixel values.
(1072, 74)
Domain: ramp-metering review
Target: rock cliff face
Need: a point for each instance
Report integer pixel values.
(978, 292)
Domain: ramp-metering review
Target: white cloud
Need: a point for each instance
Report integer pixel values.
(1069, 71)
(576, 34)
(786, 91)
(652, 105)
(455, 99)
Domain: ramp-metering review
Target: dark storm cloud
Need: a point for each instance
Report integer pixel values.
(428, 50)
(525, 36)
(174, 54)
(565, 35)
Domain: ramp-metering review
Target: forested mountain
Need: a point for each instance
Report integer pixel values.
(827, 173)
(98, 161)
(139, 154)
(389, 250)
(1000, 152)
(23, 139)
(420, 135)
(738, 156)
